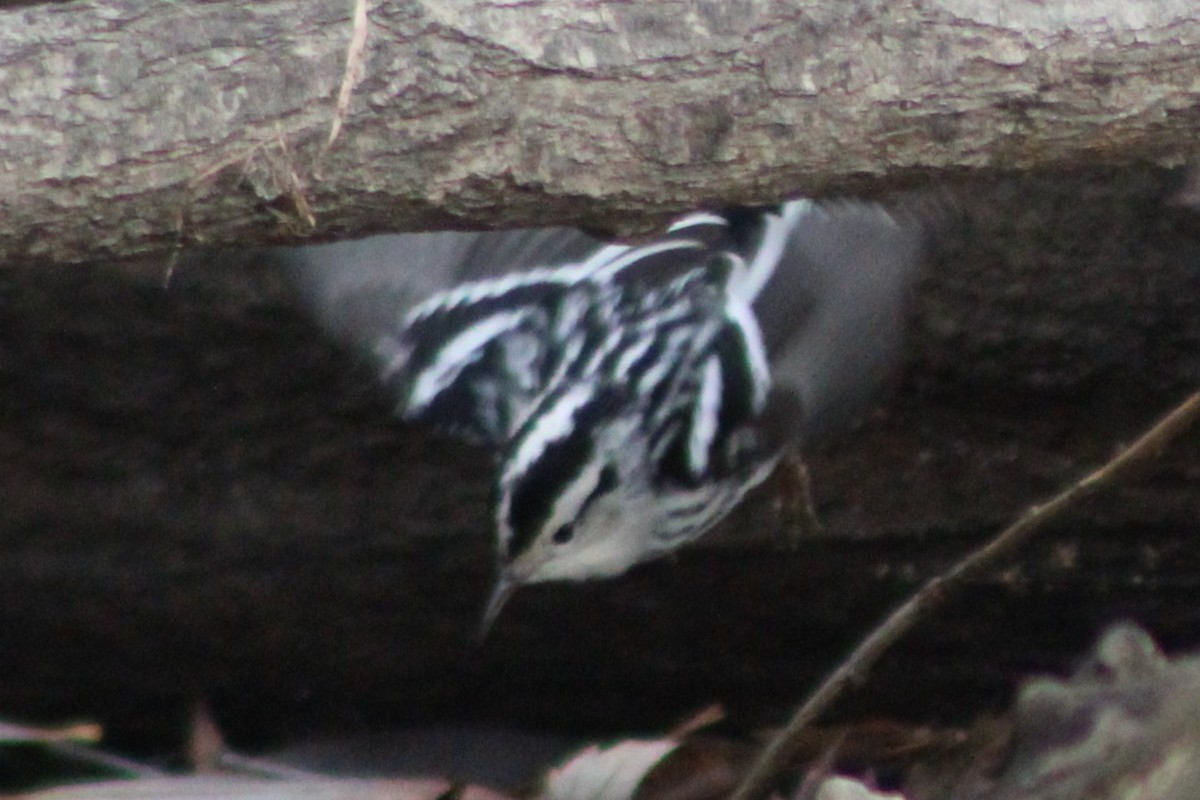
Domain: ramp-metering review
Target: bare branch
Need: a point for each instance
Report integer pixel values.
(938, 589)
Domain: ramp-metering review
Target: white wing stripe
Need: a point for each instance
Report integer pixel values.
(476, 291)
(457, 354)
(699, 218)
(636, 254)
(778, 228)
(705, 417)
(742, 317)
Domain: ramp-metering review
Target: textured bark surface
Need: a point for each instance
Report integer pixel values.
(130, 125)
(202, 498)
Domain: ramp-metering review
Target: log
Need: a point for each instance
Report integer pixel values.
(133, 127)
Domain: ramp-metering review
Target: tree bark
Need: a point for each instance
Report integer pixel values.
(131, 126)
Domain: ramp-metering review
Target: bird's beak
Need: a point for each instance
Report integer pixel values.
(506, 584)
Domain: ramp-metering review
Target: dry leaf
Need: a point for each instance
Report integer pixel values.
(849, 789)
(701, 768)
(610, 773)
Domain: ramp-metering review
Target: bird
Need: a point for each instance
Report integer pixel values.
(632, 394)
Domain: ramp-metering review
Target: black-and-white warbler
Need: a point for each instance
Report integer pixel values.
(633, 393)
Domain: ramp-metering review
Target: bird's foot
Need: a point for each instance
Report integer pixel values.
(793, 500)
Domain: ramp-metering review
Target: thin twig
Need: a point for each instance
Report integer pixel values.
(356, 64)
(936, 591)
(16, 733)
(75, 742)
(96, 757)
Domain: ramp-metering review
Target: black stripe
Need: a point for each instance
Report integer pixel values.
(431, 332)
(737, 389)
(746, 227)
(655, 269)
(562, 462)
(488, 395)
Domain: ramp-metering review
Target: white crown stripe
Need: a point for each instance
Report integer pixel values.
(553, 424)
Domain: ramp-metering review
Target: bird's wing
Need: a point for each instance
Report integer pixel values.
(833, 313)
(361, 289)
(470, 329)
(466, 326)
(460, 325)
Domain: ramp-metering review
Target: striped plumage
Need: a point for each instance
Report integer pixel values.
(633, 393)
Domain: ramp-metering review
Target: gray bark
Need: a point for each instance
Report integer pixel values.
(132, 125)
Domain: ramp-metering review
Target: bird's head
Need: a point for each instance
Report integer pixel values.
(582, 497)
(574, 500)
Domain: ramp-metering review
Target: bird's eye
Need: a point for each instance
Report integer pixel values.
(564, 534)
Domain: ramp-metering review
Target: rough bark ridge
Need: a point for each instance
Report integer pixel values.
(130, 125)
